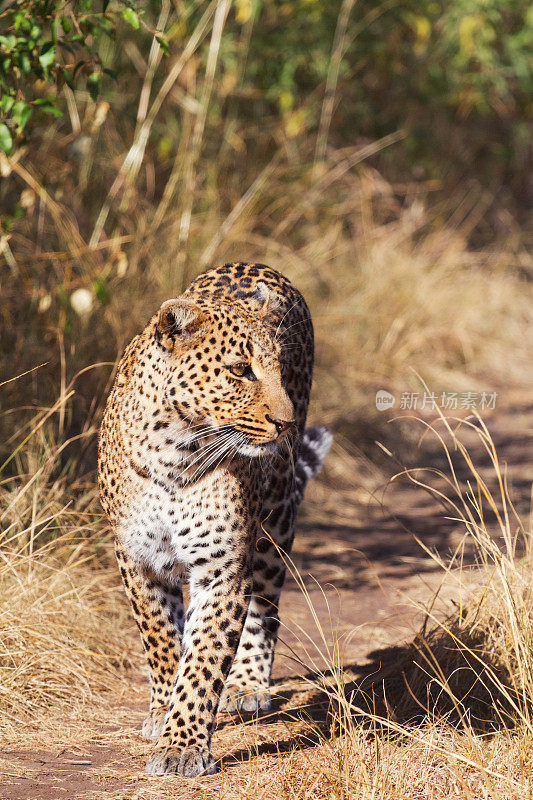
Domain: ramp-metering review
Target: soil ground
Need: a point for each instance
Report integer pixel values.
(367, 569)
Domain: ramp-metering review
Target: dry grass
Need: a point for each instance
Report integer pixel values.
(393, 289)
(448, 714)
(61, 614)
(422, 302)
(59, 642)
(435, 764)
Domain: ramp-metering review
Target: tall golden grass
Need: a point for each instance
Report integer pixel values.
(449, 713)
(390, 294)
(62, 620)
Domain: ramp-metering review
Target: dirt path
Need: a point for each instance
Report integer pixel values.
(370, 569)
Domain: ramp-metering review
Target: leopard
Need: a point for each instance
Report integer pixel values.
(203, 459)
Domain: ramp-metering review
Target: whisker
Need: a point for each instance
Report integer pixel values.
(233, 447)
(206, 430)
(293, 325)
(211, 452)
(207, 450)
(219, 452)
(283, 317)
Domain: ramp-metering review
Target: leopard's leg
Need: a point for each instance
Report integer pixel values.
(212, 630)
(158, 611)
(248, 684)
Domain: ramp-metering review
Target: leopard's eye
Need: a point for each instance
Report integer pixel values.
(242, 370)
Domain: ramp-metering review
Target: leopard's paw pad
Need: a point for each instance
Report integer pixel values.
(245, 700)
(189, 762)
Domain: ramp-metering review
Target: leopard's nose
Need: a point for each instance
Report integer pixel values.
(281, 425)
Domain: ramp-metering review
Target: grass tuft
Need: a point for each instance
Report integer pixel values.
(61, 614)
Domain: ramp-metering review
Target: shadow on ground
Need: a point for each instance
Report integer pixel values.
(385, 533)
(436, 677)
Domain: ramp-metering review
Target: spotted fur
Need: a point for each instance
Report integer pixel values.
(203, 462)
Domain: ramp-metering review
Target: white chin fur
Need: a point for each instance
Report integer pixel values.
(254, 450)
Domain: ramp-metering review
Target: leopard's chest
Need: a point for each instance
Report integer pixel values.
(169, 528)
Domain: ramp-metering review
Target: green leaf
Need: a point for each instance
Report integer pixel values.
(21, 114)
(48, 105)
(6, 142)
(131, 17)
(163, 43)
(9, 42)
(65, 24)
(20, 21)
(93, 84)
(25, 63)
(47, 55)
(7, 103)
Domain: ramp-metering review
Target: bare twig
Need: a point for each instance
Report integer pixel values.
(332, 79)
(221, 13)
(135, 154)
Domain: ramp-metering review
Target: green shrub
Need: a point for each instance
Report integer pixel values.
(46, 44)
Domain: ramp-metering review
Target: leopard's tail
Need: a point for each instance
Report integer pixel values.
(314, 448)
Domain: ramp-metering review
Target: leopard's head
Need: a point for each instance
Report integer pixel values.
(223, 370)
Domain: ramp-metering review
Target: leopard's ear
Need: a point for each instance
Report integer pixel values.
(177, 318)
(265, 299)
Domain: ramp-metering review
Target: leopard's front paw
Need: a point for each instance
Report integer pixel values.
(153, 724)
(189, 762)
(237, 698)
